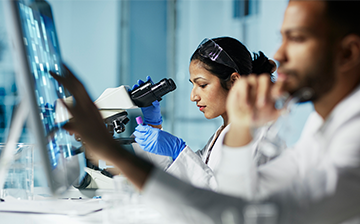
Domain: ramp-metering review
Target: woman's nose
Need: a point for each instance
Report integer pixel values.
(194, 96)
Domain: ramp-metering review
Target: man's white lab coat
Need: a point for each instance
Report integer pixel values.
(318, 181)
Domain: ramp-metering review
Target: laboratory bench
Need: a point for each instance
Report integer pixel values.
(85, 206)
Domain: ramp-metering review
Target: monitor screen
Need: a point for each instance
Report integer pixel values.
(41, 54)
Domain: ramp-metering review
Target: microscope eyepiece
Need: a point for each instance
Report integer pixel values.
(145, 94)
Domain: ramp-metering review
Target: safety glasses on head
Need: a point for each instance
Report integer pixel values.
(209, 49)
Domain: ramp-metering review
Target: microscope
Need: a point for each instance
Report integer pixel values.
(112, 104)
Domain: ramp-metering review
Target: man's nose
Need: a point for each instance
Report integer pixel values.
(280, 54)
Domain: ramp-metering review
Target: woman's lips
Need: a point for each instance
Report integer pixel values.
(201, 108)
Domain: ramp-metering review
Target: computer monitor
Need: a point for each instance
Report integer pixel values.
(36, 51)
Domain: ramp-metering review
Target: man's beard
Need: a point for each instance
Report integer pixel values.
(319, 81)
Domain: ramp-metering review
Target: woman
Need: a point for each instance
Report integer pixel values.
(214, 67)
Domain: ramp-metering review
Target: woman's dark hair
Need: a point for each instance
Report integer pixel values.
(240, 55)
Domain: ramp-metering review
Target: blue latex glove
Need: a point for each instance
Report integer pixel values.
(152, 114)
(158, 142)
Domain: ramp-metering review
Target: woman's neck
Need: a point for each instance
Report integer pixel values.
(225, 119)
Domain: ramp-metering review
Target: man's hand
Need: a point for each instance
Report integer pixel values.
(87, 123)
(250, 104)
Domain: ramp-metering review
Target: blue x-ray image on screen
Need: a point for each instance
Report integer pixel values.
(44, 55)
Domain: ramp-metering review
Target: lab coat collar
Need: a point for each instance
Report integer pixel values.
(343, 111)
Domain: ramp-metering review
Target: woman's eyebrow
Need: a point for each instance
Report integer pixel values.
(196, 79)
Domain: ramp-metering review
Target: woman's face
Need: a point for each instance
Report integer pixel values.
(207, 91)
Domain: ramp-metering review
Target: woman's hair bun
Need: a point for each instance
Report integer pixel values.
(261, 64)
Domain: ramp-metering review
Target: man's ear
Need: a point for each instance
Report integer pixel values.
(350, 53)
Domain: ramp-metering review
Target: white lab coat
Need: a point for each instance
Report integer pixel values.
(190, 166)
(316, 182)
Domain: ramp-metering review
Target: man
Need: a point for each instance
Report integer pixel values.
(316, 182)
(318, 54)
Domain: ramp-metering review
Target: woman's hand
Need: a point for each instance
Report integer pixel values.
(158, 142)
(152, 114)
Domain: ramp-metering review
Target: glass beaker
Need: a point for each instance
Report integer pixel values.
(19, 182)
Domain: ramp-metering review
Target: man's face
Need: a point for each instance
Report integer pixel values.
(306, 55)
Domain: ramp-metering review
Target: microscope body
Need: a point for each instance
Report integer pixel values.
(112, 104)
